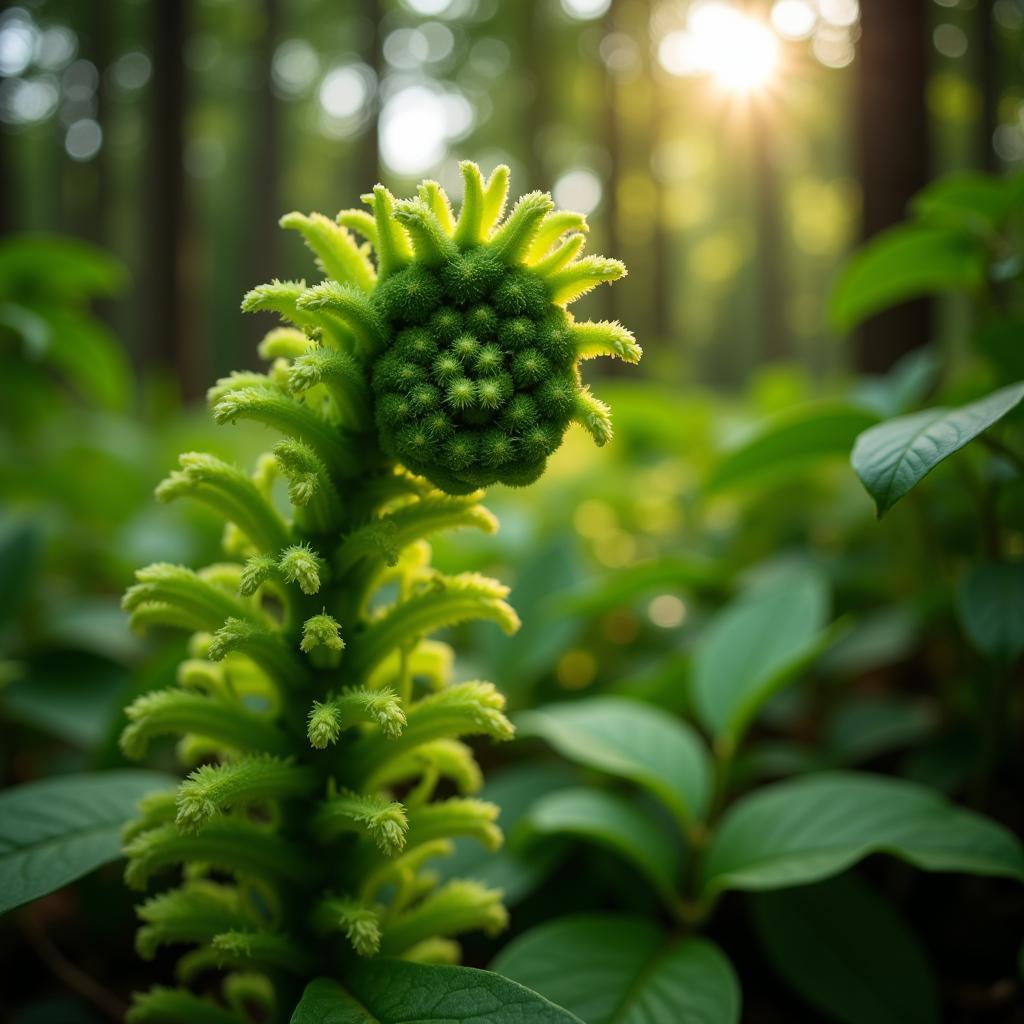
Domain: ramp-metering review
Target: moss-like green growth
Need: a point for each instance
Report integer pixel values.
(474, 357)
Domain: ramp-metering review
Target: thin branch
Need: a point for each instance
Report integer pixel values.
(69, 974)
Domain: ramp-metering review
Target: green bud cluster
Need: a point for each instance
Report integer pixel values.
(473, 356)
(316, 716)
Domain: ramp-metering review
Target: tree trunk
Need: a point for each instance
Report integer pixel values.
(988, 61)
(168, 348)
(771, 313)
(892, 141)
(263, 243)
(368, 162)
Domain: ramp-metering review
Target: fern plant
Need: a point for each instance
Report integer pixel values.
(319, 717)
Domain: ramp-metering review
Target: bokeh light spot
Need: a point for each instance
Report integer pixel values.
(578, 189)
(794, 19)
(83, 139)
(576, 670)
(344, 91)
(585, 10)
(294, 67)
(666, 611)
(950, 40)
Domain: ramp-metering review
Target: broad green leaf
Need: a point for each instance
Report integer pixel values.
(57, 266)
(991, 606)
(811, 828)
(905, 262)
(91, 358)
(75, 697)
(864, 727)
(617, 823)
(630, 740)
(56, 830)
(609, 590)
(754, 646)
(977, 202)
(521, 864)
(21, 543)
(847, 952)
(397, 992)
(998, 339)
(624, 970)
(904, 387)
(888, 635)
(893, 457)
(546, 571)
(792, 443)
(774, 759)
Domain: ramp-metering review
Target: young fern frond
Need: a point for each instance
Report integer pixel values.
(359, 922)
(459, 906)
(212, 789)
(435, 358)
(231, 493)
(193, 913)
(458, 816)
(329, 719)
(163, 712)
(259, 948)
(337, 253)
(162, 1005)
(382, 819)
(448, 601)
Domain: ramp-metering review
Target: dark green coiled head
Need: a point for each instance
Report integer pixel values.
(471, 353)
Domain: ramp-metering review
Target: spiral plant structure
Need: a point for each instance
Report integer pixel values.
(318, 717)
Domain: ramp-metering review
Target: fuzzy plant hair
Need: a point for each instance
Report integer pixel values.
(317, 715)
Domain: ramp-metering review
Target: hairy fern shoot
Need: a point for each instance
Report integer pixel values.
(316, 715)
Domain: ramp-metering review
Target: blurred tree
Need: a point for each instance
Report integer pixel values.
(989, 72)
(892, 153)
(264, 234)
(368, 147)
(168, 344)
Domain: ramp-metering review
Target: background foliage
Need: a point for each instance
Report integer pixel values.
(724, 535)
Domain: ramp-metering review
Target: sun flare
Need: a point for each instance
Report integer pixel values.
(737, 50)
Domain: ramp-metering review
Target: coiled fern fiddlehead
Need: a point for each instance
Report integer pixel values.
(318, 716)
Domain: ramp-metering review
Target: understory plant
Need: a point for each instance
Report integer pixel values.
(319, 717)
(723, 831)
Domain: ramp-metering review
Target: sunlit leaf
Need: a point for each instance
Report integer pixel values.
(65, 268)
(754, 646)
(623, 970)
(977, 202)
(905, 262)
(893, 457)
(792, 443)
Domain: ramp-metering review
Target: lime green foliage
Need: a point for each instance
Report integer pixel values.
(46, 325)
(474, 357)
(318, 718)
